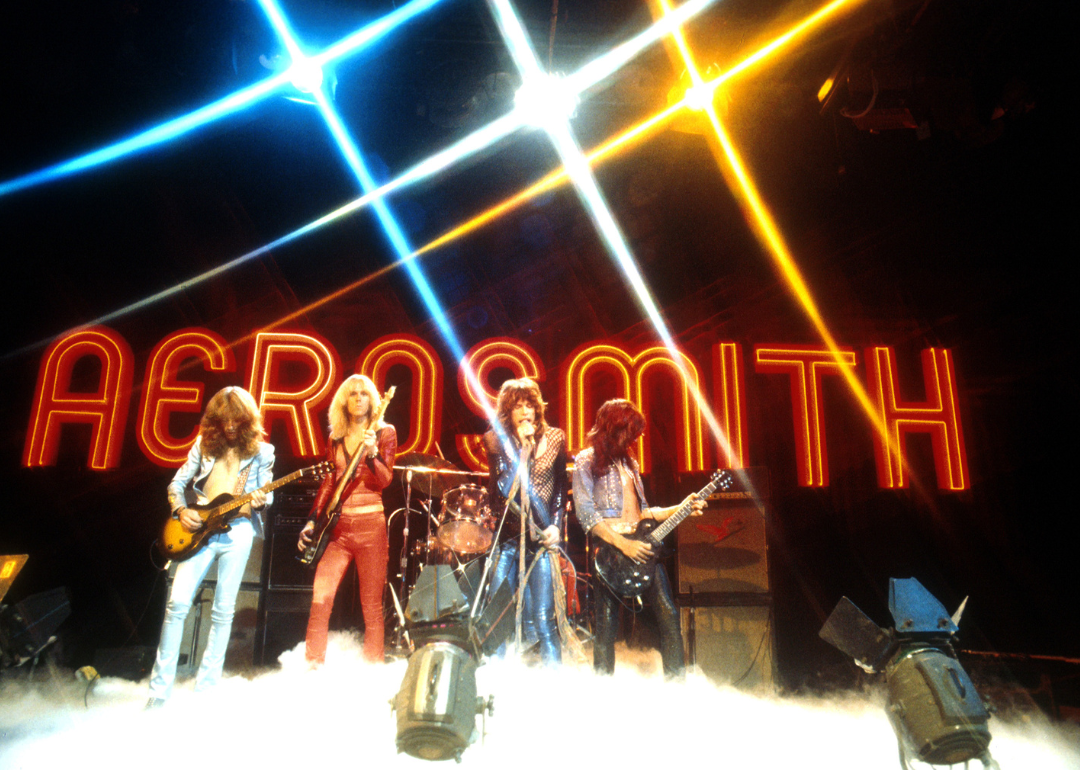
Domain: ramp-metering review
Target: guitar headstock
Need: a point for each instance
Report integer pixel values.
(386, 397)
(723, 479)
(320, 470)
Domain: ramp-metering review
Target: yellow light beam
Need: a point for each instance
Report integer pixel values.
(639, 131)
(764, 226)
(603, 151)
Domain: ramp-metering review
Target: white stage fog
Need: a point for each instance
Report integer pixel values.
(339, 716)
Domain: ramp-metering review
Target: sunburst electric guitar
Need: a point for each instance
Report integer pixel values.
(328, 518)
(629, 579)
(178, 544)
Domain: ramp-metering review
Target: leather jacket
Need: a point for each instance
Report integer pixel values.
(374, 474)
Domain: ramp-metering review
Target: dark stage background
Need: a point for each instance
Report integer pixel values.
(954, 235)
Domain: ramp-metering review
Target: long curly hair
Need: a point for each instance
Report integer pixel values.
(339, 412)
(236, 404)
(618, 425)
(510, 394)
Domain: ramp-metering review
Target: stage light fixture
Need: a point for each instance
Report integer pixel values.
(29, 627)
(931, 702)
(437, 705)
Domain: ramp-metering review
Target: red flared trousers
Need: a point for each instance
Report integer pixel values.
(364, 539)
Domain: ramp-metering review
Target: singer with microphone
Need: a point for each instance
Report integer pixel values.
(527, 458)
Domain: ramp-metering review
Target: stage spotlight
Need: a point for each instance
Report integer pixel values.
(30, 626)
(544, 99)
(306, 76)
(933, 707)
(437, 703)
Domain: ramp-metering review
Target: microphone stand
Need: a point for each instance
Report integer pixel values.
(523, 475)
(403, 567)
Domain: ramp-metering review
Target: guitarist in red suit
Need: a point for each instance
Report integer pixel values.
(228, 456)
(361, 530)
(609, 501)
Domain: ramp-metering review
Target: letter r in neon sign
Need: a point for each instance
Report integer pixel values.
(296, 403)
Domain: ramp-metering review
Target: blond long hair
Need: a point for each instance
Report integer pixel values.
(231, 403)
(339, 413)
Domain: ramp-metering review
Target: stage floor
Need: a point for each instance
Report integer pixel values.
(563, 717)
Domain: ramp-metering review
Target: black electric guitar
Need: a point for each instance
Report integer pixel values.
(628, 579)
(178, 544)
(327, 519)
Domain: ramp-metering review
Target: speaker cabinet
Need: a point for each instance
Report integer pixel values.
(283, 623)
(240, 655)
(283, 569)
(723, 551)
(731, 645)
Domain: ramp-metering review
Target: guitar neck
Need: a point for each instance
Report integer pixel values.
(675, 519)
(245, 499)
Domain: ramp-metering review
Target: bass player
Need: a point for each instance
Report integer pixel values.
(360, 533)
(610, 501)
(228, 456)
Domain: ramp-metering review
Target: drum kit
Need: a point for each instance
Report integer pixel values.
(450, 521)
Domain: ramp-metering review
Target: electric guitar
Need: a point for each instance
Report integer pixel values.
(178, 544)
(328, 518)
(628, 579)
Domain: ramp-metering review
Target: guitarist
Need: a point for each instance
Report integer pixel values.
(610, 501)
(228, 456)
(361, 531)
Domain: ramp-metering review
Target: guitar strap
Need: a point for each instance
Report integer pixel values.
(346, 478)
(241, 481)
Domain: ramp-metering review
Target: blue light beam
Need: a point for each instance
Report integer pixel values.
(588, 76)
(224, 107)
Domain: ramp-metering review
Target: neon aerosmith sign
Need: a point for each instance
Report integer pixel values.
(300, 401)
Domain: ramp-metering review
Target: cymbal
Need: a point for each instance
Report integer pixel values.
(430, 474)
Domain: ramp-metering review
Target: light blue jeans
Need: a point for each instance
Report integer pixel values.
(230, 550)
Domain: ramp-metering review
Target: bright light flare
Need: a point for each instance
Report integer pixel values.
(480, 139)
(545, 98)
(764, 226)
(577, 168)
(699, 97)
(306, 76)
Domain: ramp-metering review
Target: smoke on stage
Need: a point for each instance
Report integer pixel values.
(297, 717)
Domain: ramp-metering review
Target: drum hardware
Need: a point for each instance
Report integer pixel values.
(430, 475)
(466, 525)
(461, 533)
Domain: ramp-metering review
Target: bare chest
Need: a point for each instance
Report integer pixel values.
(223, 476)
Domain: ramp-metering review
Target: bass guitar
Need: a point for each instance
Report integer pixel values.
(328, 519)
(178, 544)
(628, 579)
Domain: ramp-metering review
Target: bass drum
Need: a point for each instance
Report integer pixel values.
(466, 525)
